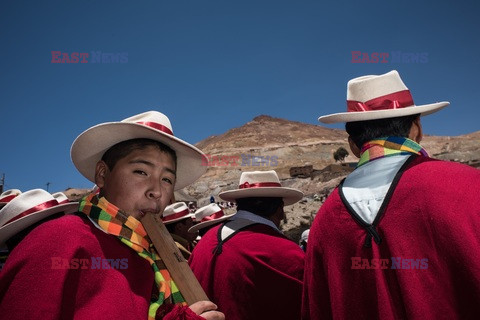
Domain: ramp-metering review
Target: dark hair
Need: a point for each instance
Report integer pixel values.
(262, 206)
(363, 131)
(124, 148)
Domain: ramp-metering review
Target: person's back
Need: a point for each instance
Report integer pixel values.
(398, 237)
(246, 265)
(257, 275)
(426, 264)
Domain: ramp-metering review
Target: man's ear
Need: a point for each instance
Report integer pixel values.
(353, 147)
(101, 169)
(416, 132)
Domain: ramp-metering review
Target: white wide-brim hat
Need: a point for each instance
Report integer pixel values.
(379, 97)
(8, 196)
(27, 209)
(176, 212)
(89, 147)
(262, 184)
(208, 215)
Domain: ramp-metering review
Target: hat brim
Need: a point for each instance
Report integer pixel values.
(383, 114)
(205, 224)
(10, 229)
(289, 195)
(90, 146)
(178, 219)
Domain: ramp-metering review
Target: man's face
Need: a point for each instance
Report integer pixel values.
(139, 183)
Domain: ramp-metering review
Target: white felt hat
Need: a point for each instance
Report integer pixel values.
(208, 215)
(29, 208)
(89, 147)
(176, 212)
(262, 184)
(379, 97)
(8, 195)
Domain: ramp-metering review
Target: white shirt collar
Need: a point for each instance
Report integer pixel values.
(366, 187)
(242, 214)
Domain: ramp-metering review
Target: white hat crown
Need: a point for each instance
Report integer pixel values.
(175, 212)
(154, 119)
(259, 179)
(370, 87)
(207, 216)
(9, 195)
(207, 211)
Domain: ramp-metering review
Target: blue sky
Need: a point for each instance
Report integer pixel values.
(214, 65)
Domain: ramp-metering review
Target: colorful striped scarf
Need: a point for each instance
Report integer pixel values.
(132, 233)
(389, 146)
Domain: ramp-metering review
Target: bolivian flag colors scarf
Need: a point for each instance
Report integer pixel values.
(389, 146)
(132, 233)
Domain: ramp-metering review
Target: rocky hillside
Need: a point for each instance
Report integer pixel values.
(267, 143)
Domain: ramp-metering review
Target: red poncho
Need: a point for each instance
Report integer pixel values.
(67, 268)
(427, 265)
(258, 274)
